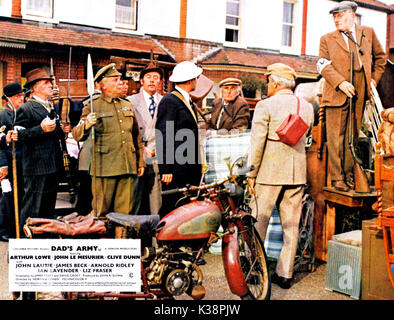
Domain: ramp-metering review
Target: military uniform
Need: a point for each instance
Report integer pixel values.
(118, 152)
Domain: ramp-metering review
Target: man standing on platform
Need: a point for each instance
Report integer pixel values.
(177, 139)
(279, 173)
(145, 106)
(118, 147)
(334, 66)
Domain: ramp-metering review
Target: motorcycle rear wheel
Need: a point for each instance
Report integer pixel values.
(254, 266)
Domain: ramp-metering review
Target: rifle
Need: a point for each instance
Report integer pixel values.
(62, 140)
(360, 180)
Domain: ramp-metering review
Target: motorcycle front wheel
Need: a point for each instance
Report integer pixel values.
(254, 265)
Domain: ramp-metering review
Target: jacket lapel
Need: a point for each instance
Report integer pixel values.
(39, 108)
(339, 38)
(180, 96)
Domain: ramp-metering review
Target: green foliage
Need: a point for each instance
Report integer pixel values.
(251, 83)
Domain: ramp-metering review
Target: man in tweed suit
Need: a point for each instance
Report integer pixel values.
(145, 106)
(42, 158)
(334, 66)
(279, 172)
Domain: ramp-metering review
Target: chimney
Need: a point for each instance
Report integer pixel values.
(16, 9)
(183, 19)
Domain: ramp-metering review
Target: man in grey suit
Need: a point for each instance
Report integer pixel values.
(145, 106)
(279, 172)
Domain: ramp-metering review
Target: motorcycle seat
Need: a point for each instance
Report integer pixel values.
(144, 225)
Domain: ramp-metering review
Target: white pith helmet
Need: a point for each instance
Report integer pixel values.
(184, 71)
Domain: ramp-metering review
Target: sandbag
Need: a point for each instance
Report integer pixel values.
(70, 225)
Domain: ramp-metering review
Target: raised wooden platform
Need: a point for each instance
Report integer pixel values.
(350, 199)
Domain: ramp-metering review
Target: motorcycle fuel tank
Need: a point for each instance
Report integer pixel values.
(195, 220)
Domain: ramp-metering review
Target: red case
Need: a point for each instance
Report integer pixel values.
(292, 128)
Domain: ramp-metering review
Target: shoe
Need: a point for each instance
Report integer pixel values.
(4, 238)
(350, 182)
(282, 282)
(340, 185)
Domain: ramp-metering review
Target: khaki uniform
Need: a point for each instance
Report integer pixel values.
(118, 153)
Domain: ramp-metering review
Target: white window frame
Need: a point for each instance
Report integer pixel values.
(6, 8)
(231, 26)
(129, 26)
(38, 13)
(292, 25)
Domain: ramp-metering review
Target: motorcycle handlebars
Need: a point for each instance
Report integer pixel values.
(195, 188)
(240, 172)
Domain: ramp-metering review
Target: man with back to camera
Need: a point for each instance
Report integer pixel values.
(279, 169)
(177, 137)
(145, 105)
(334, 66)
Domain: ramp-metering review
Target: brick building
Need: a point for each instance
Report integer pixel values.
(227, 37)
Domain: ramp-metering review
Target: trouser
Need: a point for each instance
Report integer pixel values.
(7, 205)
(337, 123)
(170, 202)
(114, 194)
(147, 197)
(84, 201)
(288, 199)
(39, 199)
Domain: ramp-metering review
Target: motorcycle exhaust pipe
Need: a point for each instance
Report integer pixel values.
(197, 291)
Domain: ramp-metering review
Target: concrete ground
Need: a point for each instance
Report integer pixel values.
(306, 286)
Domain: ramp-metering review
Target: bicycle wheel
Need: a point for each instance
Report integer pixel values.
(254, 265)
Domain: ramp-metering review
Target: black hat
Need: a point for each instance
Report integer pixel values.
(11, 90)
(151, 68)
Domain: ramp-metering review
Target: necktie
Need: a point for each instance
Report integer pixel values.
(220, 116)
(353, 47)
(152, 107)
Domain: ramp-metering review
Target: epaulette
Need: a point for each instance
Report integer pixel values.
(94, 97)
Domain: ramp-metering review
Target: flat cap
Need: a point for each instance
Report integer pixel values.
(344, 5)
(281, 70)
(230, 81)
(107, 71)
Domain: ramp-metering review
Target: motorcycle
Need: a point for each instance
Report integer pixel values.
(171, 268)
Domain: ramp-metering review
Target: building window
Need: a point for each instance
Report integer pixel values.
(288, 24)
(232, 21)
(126, 14)
(41, 8)
(358, 19)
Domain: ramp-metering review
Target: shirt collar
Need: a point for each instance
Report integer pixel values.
(40, 100)
(108, 98)
(147, 96)
(185, 94)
